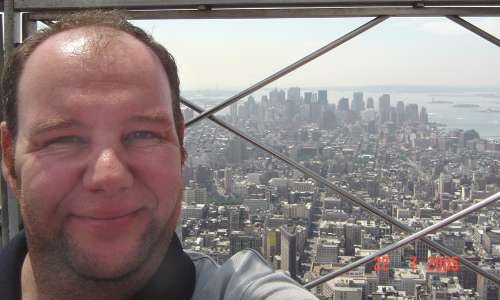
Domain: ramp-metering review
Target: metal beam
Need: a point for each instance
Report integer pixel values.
(288, 69)
(252, 13)
(28, 26)
(404, 241)
(5, 212)
(485, 35)
(1, 44)
(37, 5)
(9, 27)
(355, 200)
(8, 46)
(3, 192)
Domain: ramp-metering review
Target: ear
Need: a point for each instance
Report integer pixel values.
(7, 157)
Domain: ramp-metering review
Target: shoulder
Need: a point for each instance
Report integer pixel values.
(11, 260)
(246, 275)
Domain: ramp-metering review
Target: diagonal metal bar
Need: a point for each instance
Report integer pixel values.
(404, 241)
(289, 69)
(440, 248)
(485, 35)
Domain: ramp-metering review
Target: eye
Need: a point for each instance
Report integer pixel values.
(142, 138)
(70, 139)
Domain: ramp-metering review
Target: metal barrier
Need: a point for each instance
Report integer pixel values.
(45, 10)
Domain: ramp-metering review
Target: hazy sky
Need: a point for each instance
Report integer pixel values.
(234, 54)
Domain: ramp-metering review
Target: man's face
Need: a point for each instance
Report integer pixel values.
(97, 156)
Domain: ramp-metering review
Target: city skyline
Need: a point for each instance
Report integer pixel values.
(383, 151)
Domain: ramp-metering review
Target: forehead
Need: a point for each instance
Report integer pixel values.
(89, 59)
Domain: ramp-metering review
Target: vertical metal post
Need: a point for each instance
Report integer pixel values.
(8, 46)
(5, 212)
(28, 27)
(3, 185)
(1, 44)
(8, 13)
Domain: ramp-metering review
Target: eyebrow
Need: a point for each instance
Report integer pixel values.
(154, 117)
(52, 124)
(158, 117)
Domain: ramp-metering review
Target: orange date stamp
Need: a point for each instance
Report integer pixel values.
(434, 263)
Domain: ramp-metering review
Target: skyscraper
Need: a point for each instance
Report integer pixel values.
(411, 112)
(384, 102)
(352, 235)
(239, 240)
(271, 243)
(343, 104)
(384, 107)
(358, 103)
(323, 97)
(369, 103)
(293, 94)
(289, 250)
(424, 118)
(400, 111)
(234, 112)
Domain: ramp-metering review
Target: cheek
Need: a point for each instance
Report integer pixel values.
(43, 187)
(161, 174)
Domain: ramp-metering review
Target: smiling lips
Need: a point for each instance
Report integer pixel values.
(107, 220)
(105, 216)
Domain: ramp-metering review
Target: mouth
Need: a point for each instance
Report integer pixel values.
(105, 216)
(107, 220)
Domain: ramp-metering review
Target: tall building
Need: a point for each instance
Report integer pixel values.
(239, 240)
(234, 112)
(384, 107)
(400, 111)
(328, 120)
(289, 250)
(271, 245)
(486, 288)
(411, 112)
(421, 251)
(277, 97)
(203, 176)
(228, 180)
(235, 151)
(327, 252)
(358, 103)
(445, 184)
(293, 94)
(424, 117)
(384, 102)
(234, 219)
(323, 97)
(343, 104)
(352, 236)
(370, 103)
(308, 97)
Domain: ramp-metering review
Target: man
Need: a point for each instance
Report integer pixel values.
(92, 145)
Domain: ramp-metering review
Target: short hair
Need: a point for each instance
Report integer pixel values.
(96, 18)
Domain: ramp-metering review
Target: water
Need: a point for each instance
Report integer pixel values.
(487, 124)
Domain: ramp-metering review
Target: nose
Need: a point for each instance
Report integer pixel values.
(108, 174)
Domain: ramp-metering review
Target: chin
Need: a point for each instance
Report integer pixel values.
(116, 260)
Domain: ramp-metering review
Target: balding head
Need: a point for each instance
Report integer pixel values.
(103, 29)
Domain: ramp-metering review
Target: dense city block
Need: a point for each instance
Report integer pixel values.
(384, 151)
